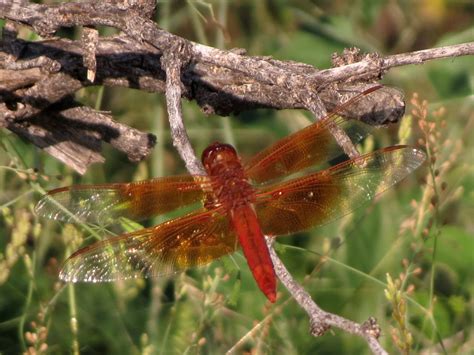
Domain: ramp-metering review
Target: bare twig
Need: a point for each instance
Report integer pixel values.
(90, 39)
(173, 61)
(316, 107)
(321, 320)
(381, 65)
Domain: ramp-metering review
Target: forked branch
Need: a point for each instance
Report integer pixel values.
(320, 320)
(37, 76)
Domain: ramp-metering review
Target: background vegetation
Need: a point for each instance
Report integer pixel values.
(407, 259)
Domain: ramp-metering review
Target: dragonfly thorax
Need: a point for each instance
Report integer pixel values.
(230, 185)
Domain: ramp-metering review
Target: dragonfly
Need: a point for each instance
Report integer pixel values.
(277, 192)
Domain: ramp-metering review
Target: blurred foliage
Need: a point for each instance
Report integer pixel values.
(408, 259)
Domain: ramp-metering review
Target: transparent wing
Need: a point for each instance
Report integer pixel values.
(173, 246)
(105, 203)
(310, 146)
(321, 197)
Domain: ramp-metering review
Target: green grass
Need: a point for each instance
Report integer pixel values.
(407, 259)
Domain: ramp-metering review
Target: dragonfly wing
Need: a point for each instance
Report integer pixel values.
(324, 196)
(192, 240)
(104, 203)
(310, 146)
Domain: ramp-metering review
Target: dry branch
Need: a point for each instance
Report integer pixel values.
(221, 82)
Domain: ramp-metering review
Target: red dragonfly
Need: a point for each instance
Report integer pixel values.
(240, 203)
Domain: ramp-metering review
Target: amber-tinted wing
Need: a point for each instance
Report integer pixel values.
(321, 197)
(104, 203)
(192, 240)
(310, 146)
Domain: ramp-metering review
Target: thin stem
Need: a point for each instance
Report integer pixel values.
(73, 316)
(435, 241)
(29, 295)
(100, 96)
(222, 18)
(72, 313)
(158, 169)
(19, 197)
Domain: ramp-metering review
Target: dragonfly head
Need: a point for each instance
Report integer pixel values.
(217, 154)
